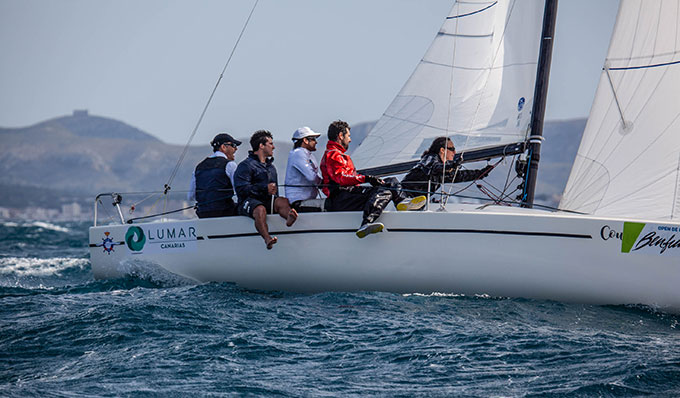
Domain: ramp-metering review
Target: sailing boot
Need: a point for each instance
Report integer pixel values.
(369, 228)
(412, 204)
(374, 207)
(401, 201)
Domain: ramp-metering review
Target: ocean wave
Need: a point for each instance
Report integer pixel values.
(114, 287)
(433, 294)
(32, 266)
(46, 225)
(440, 294)
(152, 272)
(37, 224)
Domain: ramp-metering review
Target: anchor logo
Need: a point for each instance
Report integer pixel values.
(107, 243)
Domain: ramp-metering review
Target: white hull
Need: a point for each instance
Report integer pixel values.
(498, 251)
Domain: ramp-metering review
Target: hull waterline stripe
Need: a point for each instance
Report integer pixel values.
(419, 230)
(452, 231)
(122, 243)
(494, 232)
(99, 244)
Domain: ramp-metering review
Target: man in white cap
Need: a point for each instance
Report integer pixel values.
(302, 171)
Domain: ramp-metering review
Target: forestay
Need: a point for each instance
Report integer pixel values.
(628, 163)
(474, 84)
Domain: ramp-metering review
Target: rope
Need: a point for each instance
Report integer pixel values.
(499, 200)
(159, 214)
(448, 111)
(486, 82)
(471, 183)
(166, 187)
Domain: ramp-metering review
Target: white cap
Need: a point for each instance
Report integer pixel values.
(303, 132)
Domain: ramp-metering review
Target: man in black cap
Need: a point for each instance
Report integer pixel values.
(212, 184)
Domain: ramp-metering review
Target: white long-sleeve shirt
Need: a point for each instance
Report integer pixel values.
(230, 169)
(302, 169)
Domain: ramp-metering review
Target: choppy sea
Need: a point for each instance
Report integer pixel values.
(64, 334)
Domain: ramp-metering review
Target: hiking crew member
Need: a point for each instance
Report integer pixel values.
(302, 170)
(341, 183)
(212, 183)
(256, 186)
(431, 168)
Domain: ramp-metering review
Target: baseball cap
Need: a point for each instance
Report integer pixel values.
(223, 138)
(303, 132)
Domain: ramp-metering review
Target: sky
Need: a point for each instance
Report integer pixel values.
(153, 64)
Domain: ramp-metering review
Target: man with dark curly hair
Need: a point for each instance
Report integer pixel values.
(256, 184)
(342, 183)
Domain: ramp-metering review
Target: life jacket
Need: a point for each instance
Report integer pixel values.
(213, 187)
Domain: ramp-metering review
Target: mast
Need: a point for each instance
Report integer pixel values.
(538, 110)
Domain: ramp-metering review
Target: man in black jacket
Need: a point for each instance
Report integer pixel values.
(436, 166)
(212, 181)
(257, 187)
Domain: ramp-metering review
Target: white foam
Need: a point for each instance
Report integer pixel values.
(46, 225)
(10, 224)
(439, 294)
(31, 266)
(433, 294)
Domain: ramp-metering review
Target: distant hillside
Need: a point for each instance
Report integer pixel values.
(82, 124)
(83, 155)
(89, 154)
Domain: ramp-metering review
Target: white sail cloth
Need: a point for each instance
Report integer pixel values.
(474, 84)
(628, 163)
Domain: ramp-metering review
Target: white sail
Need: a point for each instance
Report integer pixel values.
(628, 163)
(474, 84)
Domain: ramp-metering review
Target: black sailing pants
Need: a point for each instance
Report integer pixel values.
(372, 200)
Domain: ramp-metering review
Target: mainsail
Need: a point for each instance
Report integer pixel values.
(628, 163)
(475, 84)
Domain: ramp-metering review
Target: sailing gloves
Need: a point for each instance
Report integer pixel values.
(485, 171)
(374, 181)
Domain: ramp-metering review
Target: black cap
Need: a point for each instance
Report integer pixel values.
(223, 138)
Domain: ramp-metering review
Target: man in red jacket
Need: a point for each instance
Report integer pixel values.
(341, 183)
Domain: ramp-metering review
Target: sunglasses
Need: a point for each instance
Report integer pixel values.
(231, 144)
(311, 138)
(451, 148)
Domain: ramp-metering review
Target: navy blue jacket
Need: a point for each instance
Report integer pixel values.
(213, 187)
(252, 177)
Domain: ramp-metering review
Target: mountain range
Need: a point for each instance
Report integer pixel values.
(80, 155)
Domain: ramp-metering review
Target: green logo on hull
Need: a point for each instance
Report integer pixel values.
(631, 232)
(135, 239)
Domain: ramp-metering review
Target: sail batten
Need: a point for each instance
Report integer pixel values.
(627, 164)
(474, 84)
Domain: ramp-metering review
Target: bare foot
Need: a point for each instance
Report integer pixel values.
(272, 242)
(292, 217)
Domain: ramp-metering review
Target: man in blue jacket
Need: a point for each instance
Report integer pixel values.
(256, 184)
(212, 182)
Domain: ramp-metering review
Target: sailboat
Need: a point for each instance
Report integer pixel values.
(482, 82)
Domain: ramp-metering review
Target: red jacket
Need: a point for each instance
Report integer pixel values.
(337, 167)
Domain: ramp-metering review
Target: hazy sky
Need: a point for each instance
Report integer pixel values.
(153, 63)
